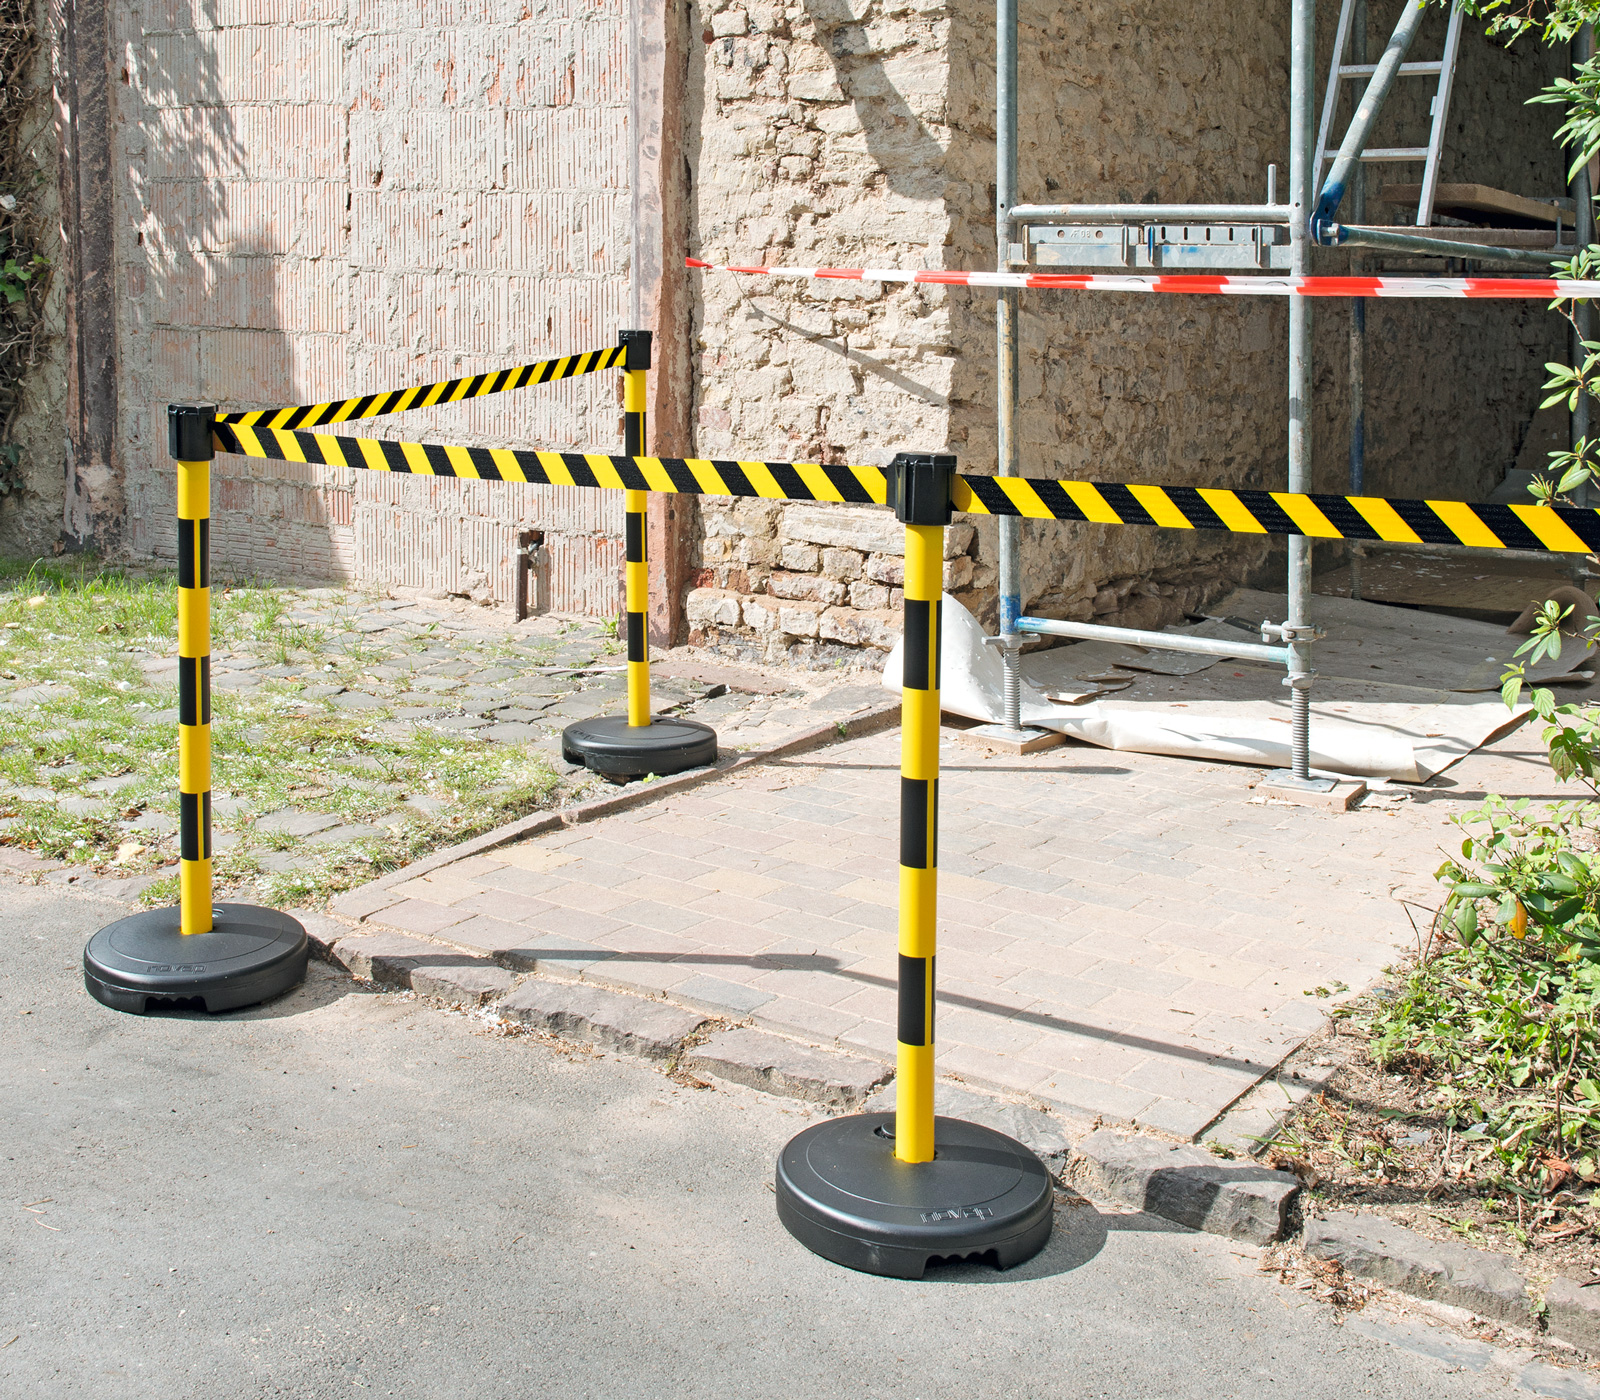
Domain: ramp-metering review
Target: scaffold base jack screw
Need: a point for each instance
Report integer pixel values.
(144, 962)
(844, 1195)
(614, 749)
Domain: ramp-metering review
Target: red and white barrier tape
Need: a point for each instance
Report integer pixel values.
(1536, 288)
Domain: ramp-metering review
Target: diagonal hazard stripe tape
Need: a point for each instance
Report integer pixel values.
(1551, 529)
(1487, 526)
(778, 481)
(499, 381)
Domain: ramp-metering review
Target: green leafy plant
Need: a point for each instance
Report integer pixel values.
(1502, 1005)
(15, 277)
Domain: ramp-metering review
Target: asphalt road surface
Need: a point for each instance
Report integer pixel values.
(349, 1193)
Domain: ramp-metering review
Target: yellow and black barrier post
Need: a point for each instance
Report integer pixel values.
(194, 954)
(890, 1193)
(635, 506)
(194, 684)
(640, 743)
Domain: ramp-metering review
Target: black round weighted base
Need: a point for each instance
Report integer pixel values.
(612, 748)
(144, 963)
(844, 1195)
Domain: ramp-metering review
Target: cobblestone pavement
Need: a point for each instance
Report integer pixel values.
(429, 719)
(470, 671)
(1125, 935)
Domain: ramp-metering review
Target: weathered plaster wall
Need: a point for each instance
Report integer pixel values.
(323, 197)
(30, 516)
(862, 131)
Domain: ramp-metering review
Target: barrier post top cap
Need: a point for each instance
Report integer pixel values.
(919, 487)
(637, 344)
(189, 431)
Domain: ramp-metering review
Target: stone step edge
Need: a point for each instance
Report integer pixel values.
(366, 900)
(1185, 1184)
(710, 1045)
(1178, 1182)
(1368, 1246)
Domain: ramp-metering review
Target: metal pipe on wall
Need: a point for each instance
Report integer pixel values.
(1156, 641)
(1351, 236)
(1358, 314)
(1268, 213)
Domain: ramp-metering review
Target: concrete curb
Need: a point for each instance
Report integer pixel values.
(653, 1030)
(1371, 1247)
(649, 1027)
(1187, 1185)
(761, 1061)
(372, 897)
(1184, 1184)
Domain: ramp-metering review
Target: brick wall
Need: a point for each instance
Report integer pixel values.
(326, 197)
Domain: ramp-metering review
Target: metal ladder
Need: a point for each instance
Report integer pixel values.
(1341, 72)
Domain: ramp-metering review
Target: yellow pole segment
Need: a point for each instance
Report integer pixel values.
(919, 806)
(194, 695)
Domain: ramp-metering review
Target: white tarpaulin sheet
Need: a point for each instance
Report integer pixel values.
(1399, 694)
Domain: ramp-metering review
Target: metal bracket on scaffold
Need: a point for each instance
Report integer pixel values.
(194, 954)
(638, 744)
(888, 1192)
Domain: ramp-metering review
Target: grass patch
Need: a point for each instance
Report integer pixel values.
(88, 754)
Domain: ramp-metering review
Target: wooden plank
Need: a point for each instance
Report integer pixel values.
(1472, 201)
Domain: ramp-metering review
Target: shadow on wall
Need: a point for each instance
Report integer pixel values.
(212, 275)
(875, 78)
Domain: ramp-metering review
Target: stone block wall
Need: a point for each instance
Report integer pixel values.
(861, 132)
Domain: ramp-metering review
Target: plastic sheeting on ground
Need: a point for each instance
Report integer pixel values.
(1399, 694)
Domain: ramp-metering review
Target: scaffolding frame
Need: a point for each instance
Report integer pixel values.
(1308, 216)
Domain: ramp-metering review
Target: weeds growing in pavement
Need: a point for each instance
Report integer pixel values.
(88, 754)
(1494, 1024)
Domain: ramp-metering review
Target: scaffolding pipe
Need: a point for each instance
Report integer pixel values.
(1302, 94)
(1358, 236)
(1007, 307)
(1156, 641)
(1366, 114)
(1159, 213)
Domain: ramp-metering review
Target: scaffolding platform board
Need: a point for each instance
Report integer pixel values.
(1473, 202)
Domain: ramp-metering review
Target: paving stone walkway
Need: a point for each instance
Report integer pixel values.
(1122, 935)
